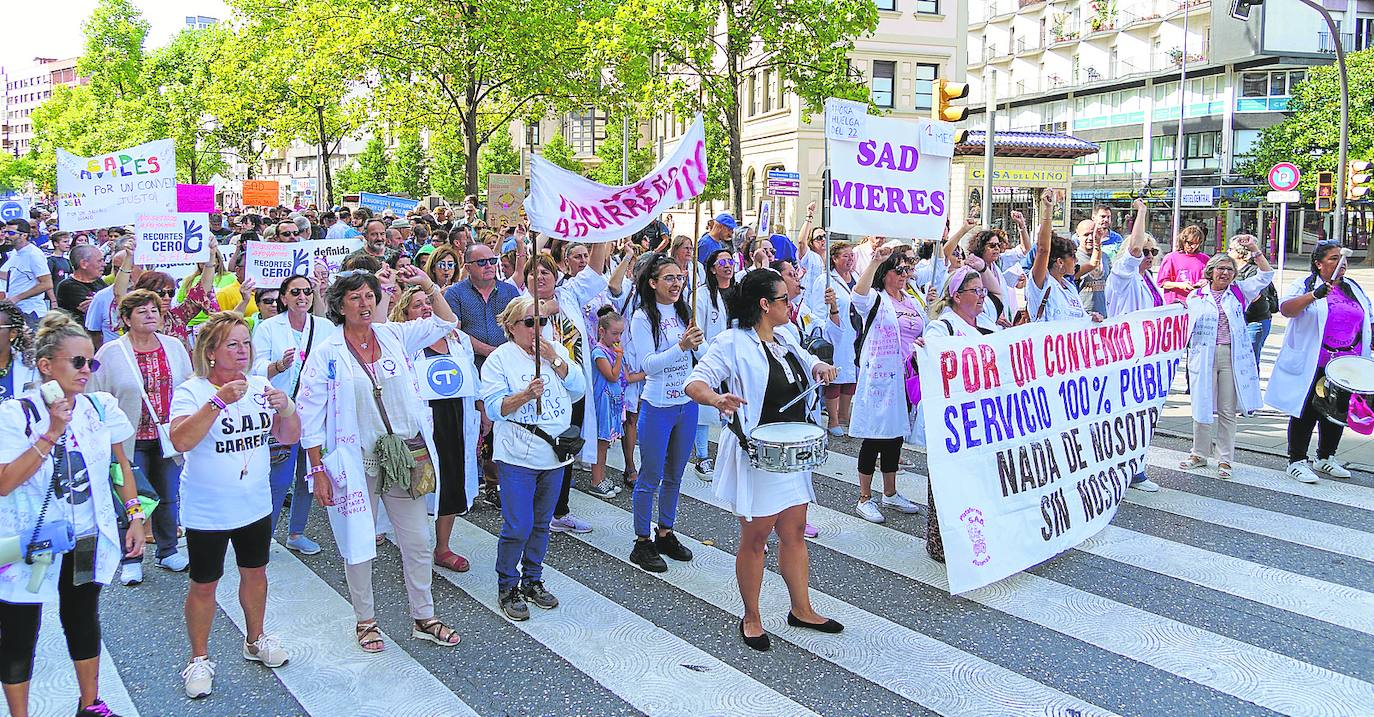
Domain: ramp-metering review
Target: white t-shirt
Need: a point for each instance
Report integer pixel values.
(224, 484)
(24, 268)
(100, 315)
(509, 370)
(666, 365)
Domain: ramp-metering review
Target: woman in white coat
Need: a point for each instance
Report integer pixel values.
(340, 427)
(16, 352)
(891, 324)
(839, 394)
(761, 368)
(1130, 284)
(456, 422)
(1328, 316)
(1221, 365)
(712, 310)
(1049, 294)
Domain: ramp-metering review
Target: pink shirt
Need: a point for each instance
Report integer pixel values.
(1344, 320)
(909, 324)
(1180, 267)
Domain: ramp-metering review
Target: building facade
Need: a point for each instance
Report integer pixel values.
(1121, 73)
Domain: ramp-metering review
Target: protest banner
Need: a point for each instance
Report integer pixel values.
(196, 198)
(1034, 433)
(270, 262)
(116, 189)
(505, 197)
(182, 238)
(891, 179)
(566, 205)
(379, 203)
(261, 193)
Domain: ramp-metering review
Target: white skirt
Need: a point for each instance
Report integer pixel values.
(775, 492)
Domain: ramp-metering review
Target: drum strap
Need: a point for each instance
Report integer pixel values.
(737, 427)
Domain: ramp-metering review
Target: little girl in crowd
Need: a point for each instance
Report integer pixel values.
(608, 390)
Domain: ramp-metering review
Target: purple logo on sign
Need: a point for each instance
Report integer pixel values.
(974, 518)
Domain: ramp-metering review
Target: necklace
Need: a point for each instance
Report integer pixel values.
(8, 365)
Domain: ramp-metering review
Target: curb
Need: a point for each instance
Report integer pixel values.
(1252, 449)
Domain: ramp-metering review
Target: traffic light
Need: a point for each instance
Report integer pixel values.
(1357, 176)
(945, 91)
(1240, 9)
(1326, 191)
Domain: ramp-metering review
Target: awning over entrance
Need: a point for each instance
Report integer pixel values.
(1039, 145)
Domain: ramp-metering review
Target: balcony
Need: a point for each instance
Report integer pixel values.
(1023, 47)
(1189, 6)
(1325, 42)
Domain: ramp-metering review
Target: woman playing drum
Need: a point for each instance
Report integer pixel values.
(1328, 316)
(760, 370)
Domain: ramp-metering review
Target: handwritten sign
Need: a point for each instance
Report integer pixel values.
(1034, 433)
(269, 262)
(172, 239)
(505, 199)
(845, 120)
(261, 193)
(116, 188)
(196, 198)
(937, 139)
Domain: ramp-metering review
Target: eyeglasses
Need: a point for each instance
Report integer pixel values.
(446, 265)
(771, 252)
(80, 362)
(288, 234)
(167, 293)
(528, 321)
(672, 278)
(978, 291)
(11, 327)
(1151, 252)
(298, 291)
(778, 298)
(485, 262)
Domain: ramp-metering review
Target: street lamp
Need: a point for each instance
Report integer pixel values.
(1240, 9)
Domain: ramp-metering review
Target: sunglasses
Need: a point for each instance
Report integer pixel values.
(903, 270)
(771, 252)
(778, 298)
(168, 293)
(1150, 252)
(446, 265)
(485, 262)
(528, 321)
(80, 362)
(13, 233)
(724, 263)
(288, 234)
(298, 291)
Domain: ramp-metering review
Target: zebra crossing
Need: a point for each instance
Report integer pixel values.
(1244, 597)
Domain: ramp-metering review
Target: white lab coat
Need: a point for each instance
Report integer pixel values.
(1126, 286)
(880, 397)
(841, 334)
(736, 358)
(1202, 346)
(714, 319)
(1297, 361)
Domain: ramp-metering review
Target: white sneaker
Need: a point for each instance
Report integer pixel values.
(1331, 467)
(131, 574)
(198, 678)
(1146, 485)
(900, 502)
(1300, 472)
(176, 562)
(267, 650)
(868, 510)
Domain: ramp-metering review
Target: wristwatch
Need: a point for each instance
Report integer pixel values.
(557, 362)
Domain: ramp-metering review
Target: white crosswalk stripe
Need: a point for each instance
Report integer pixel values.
(53, 690)
(1330, 491)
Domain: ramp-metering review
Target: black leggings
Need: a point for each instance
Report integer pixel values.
(1300, 428)
(562, 509)
(890, 449)
(19, 623)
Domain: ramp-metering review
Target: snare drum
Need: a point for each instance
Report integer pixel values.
(788, 447)
(1345, 376)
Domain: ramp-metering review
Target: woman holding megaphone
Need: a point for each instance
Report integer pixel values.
(57, 509)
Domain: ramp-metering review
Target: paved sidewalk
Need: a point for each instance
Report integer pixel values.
(1266, 431)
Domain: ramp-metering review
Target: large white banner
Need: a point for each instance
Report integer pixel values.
(567, 205)
(888, 177)
(116, 189)
(1033, 433)
(270, 262)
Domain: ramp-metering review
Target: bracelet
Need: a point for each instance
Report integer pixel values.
(130, 503)
(317, 469)
(218, 403)
(44, 437)
(135, 513)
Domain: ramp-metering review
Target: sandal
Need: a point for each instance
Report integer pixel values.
(1193, 462)
(434, 631)
(452, 561)
(1223, 470)
(381, 538)
(630, 479)
(373, 644)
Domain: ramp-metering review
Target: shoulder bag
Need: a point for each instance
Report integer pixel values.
(164, 437)
(402, 462)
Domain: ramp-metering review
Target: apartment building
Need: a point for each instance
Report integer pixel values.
(1108, 71)
(25, 89)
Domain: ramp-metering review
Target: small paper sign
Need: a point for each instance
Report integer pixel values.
(937, 139)
(845, 120)
(196, 198)
(442, 377)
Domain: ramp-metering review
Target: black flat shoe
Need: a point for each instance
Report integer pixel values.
(760, 643)
(829, 626)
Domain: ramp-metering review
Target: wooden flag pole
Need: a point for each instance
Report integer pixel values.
(692, 264)
(532, 281)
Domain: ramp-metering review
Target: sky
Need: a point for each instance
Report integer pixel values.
(52, 28)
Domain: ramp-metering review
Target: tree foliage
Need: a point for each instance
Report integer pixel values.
(560, 152)
(407, 173)
(498, 156)
(113, 56)
(447, 164)
(612, 152)
(373, 165)
(17, 172)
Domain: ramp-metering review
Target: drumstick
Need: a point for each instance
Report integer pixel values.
(799, 397)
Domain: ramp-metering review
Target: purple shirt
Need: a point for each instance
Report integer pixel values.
(908, 323)
(1344, 320)
(1180, 267)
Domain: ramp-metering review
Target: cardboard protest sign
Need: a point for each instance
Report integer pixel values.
(270, 262)
(196, 198)
(567, 205)
(884, 183)
(172, 239)
(260, 193)
(505, 197)
(1034, 433)
(117, 188)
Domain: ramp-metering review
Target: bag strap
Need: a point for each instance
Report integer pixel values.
(309, 344)
(868, 324)
(376, 387)
(737, 427)
(31, 414)
(142, 389)
(1044, 299)
(536, 430)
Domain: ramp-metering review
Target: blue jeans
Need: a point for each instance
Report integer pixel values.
(291, 473)
(1259, 333)
(164, 477)
(527, 499)
(703, 442)
(665, 441)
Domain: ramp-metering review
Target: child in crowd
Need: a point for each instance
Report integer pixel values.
(608, 390)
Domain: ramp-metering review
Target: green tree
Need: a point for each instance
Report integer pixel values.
(347, 179)
(17, 172)
(696, 55)
(612, 152)
(447, 164)
(560, 152)
(497, 157)
(177, 78)
(373, 164)
(407, 173)
(113, 57)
